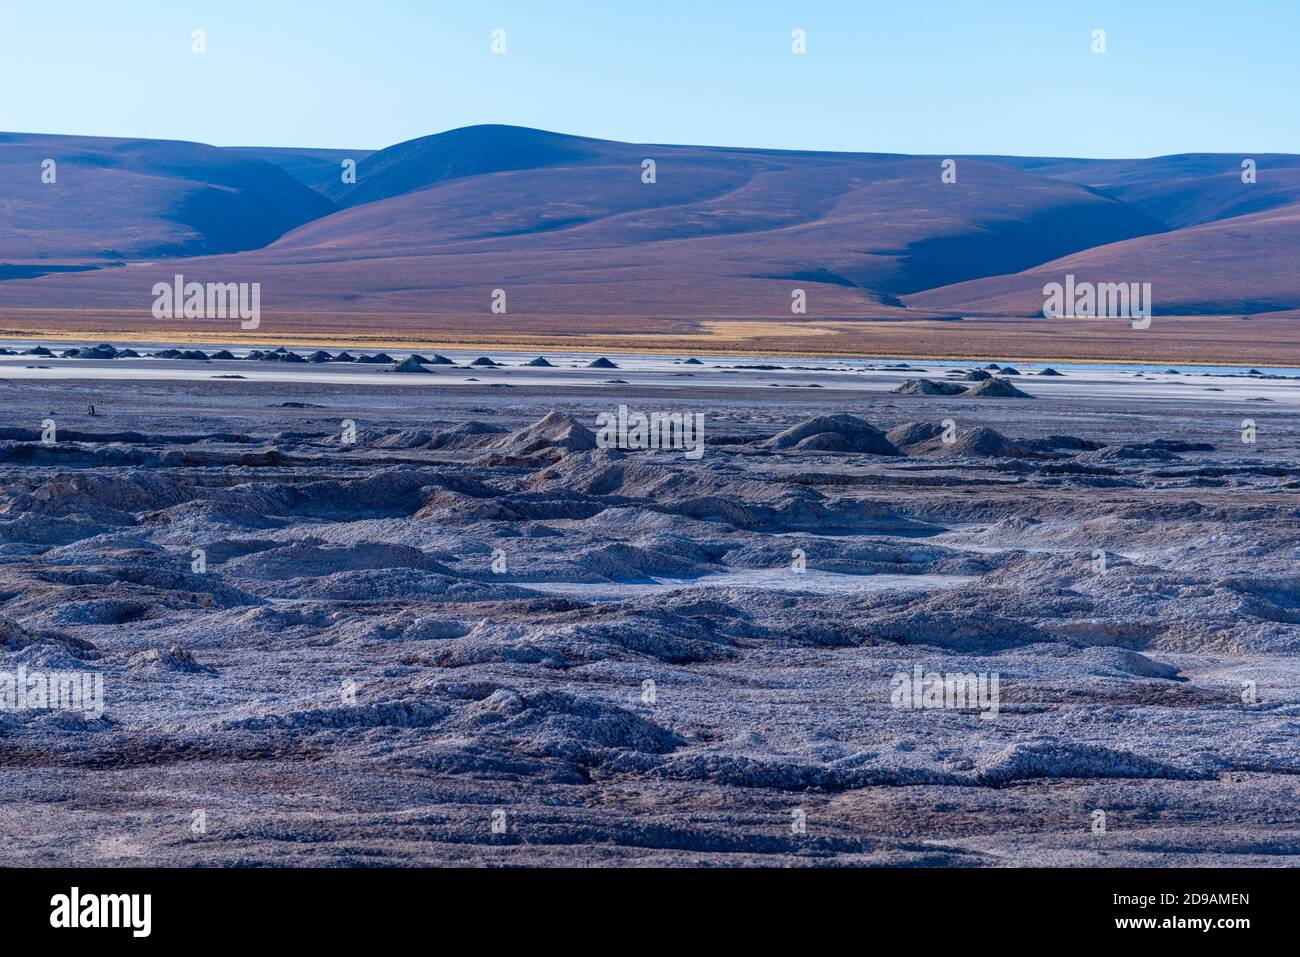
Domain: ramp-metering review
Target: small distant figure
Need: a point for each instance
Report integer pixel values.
(90, 410)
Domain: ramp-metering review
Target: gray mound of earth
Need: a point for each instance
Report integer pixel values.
(834, 433)
(467, 635)
(985, 386)
(929, 387)
(923, 440)
(409, 364)
(555, 434)
(913, 433)
(996, 388)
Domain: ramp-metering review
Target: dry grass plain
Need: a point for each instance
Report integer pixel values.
(1270, 340)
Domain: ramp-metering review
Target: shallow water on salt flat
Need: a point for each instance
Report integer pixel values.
(1132, 382)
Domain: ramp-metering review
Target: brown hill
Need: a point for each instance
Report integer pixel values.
(123, 199)
(1245, 265)
(888, 256)
(576, 232)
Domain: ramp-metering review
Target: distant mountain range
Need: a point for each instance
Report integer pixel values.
(582, 245)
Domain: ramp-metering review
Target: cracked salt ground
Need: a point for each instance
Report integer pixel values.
(350, 681)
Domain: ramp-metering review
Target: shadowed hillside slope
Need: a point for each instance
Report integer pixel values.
(1245, 265)
(318, 169)
(115, 199)
(1195, 188)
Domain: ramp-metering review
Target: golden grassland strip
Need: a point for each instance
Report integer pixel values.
(1181, 340)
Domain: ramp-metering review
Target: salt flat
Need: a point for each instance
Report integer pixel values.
(453, 635)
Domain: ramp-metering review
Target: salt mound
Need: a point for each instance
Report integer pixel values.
(540, 362)
(1122, 661)
(982, 442)
(174, 658)
(1049, 758)
(404, 439)
(592, 634)
(404, 626)
(437, 360)
(834, 433)
(558, 723)
(409, 364)
(14, 637)
(619, 561)
(977, 375)
(106, 499)
(467, 435)
(1050, 371)
(601, 363)
(913, 433)
(392, 585)
(555, 431)
(997, 389)
(1061, 444)
(929, 387)
(310, 561)
(989, 442)
(391, 714)
(484, 362)
(1128, 453)
(705, 496)
(101, 351)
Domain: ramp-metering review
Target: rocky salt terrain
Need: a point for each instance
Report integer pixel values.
(384, 624)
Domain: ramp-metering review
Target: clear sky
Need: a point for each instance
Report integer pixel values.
(913, 76)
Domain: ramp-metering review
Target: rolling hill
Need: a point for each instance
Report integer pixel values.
(318, 169)
(568, 227)
(582, 246)
(120, 199)
(1244, 265)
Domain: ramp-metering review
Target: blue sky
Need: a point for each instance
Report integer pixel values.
(916, 76)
